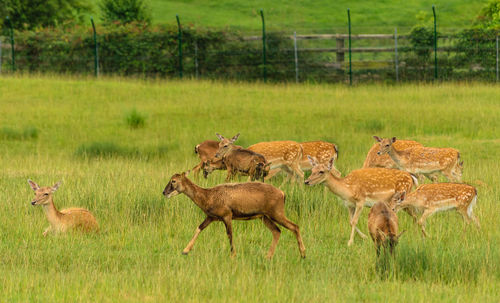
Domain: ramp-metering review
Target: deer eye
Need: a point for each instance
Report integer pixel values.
(321, 171)
(173, 181)
(225, 145)
(387, 145)
(46, 194)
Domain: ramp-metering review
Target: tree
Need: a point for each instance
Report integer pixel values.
(489, 18)
(125, 11)
(31, 14)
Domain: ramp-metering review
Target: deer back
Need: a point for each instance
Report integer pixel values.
(441, 195)
(287, 151)
(321, 150)
(375, 160)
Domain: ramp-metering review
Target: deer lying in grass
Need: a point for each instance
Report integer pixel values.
(239, 160)
(373, 159)
(428, 161)
(383, 224)
(432, 198)
(320, 150)
(361, 187)
(241, 201)
(283, 155)
(66, 219)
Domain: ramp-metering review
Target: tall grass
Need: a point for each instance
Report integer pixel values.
(137, 255)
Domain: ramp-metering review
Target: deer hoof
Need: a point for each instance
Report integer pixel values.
(185, 253)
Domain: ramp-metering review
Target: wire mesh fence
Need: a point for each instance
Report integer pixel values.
(399, 54)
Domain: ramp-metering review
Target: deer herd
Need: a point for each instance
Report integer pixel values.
(388, 182)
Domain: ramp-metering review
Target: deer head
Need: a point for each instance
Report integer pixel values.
(225, 145)
(385, 144)
(320, 172)
(176, 185)
(43, 195)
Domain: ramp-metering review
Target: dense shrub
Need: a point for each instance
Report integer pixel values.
(125, 11)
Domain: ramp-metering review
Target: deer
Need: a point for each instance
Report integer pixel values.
(283, 155)
(373, 159)
(236, 201)
(436, 197)
(361, 187)
(66, 219)
(321, 150)
(428, 161)
(206, 151)
(239, 160)
(383, 224)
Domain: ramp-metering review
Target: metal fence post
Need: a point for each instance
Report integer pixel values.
(396, 63)
(350, 58)
(263, 45)
(196, 58)
(12, 44)
(435, 45)
(179, 38)
(497, 58)
(96, 53)
(296, 57)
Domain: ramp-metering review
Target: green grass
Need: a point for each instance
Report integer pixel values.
(317, 16)
(137, 256)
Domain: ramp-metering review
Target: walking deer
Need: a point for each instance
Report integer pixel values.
(361, 187)
(321, 150)
(428, 161)
(66, 219)
(383, 224)
(283, 155)
(436, 197)
(373, 159)
(239, 201)
(239, 160)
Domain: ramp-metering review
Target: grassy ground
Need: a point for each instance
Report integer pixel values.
(75, 130)
(319, 15)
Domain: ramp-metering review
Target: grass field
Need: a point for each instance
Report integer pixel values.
(75, 130)
(319, 15)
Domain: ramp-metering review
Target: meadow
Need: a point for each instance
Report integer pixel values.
(312, 16)
(88, 133)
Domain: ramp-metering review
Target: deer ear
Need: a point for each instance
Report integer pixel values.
(331, 163)
(235, 137)
(33, 185)
(219, 136)
(393, 139)
(186, 173)
(56, 186)
(377, 138)
(312, 161)
(403, 196)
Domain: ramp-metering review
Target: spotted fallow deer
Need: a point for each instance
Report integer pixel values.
(383, 224)
(373, 159)
(362, 187)
(236, 201)
(428, 161)
(321, 150)
(283, 155)
(435, 197)
(66, 219)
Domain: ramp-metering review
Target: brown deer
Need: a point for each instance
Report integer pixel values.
(66, 219)
(239, 160)
(239, 201)
(283, 155)
(373, 159)
(361, 187)
(428, 161)
(436, 197)
(383, 224)
(321, 150)
(206, 151)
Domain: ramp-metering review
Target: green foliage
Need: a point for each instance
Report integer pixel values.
(101, 150)
(125, 11)
(422, 40)
(135, 119)
(31, 14)
(489, 18)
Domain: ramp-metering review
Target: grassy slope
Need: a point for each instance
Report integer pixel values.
(137, 255)
(317, 15)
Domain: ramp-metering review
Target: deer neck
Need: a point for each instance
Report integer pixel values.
(337, 186)
(51, 212)
(397, 156)
(195, 193)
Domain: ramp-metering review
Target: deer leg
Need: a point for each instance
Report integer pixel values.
(47, 231)
(276, 235)
(354, 222)
(197, 168)
(299, 174)
(351, 214)
(229, 174)
(422, 219)
(272, 173)
(229, 230)
(201, 227)
(411, 211)
(283, 220)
